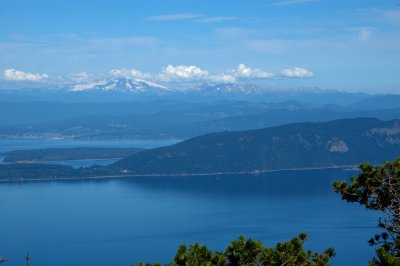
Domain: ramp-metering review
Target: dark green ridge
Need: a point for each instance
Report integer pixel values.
(301, 145)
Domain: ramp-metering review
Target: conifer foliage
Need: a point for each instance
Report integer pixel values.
(378, 188)
(244, 251)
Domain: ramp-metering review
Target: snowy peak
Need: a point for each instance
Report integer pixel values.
(120, 84)
(140, 86)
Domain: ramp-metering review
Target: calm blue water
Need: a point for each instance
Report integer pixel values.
(121, 221)
(85, 163)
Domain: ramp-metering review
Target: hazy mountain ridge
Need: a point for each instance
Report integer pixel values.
(130, 89)
(176, 115)
(185, 121)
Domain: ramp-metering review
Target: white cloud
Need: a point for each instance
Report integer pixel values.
(16, 75)
(129, 73)
(297, 72)
(215, 19)
(391, 14)
(364, 34)
(191, 16)
(182, 73)
(179, 16)
(292, 2)
(196, 74)
(242, 71)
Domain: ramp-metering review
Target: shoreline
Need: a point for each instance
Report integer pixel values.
(72, 160)
(344, 167)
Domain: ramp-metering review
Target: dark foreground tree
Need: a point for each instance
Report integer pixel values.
(252, 252)
(379, 189)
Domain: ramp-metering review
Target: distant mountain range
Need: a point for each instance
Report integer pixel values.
(168, 119)
(139, 86)
(133, 89)
(251, 89)
(134, 85)
(303, 145)
(126, 108)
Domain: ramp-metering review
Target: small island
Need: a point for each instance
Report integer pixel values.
(67, 154)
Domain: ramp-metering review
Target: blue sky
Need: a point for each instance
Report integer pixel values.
(345, 45)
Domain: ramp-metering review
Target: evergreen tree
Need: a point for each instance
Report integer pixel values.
(246, 252)
(379, 189)
(251, 252)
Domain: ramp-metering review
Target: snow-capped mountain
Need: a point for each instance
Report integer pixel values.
(119, 84)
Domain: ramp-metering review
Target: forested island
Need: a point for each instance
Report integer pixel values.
(67, 154)
(294, 146)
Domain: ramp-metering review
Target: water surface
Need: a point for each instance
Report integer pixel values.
(84, 163)
(122, 221)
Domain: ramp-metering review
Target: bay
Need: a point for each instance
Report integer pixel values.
(84, 163)
(126, 220)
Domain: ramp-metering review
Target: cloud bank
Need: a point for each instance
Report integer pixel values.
(16, 75)
(242, 71)
(194, 73)
(167, 74)
(182, 73)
